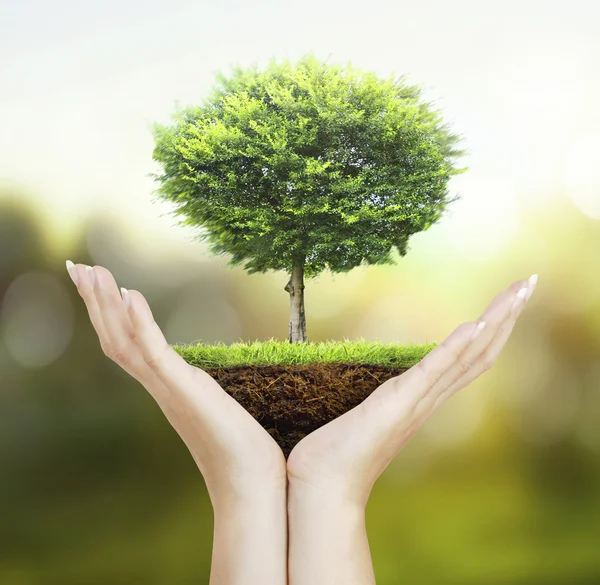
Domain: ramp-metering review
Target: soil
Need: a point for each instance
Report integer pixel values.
(292, 401)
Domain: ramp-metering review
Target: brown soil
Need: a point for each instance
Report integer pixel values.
(292, 401)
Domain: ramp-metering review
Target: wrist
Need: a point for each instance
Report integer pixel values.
(253, 493)
(329, 497)
(352, 489)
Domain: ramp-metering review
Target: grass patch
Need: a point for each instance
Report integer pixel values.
(275, 352)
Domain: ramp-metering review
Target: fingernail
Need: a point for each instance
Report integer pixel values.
(520, 295)
(72, 272)
(126, 298)
(478, 330)
(531, 286)
(91, 276)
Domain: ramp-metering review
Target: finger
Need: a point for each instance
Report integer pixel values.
(500, 298)
(458, 358)
(492, 351)
(86, 291)
(494, 318)
(119, 331)
(175, 373)
(475, 359)
(413, 387)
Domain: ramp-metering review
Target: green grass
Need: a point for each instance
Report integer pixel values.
(274, 352)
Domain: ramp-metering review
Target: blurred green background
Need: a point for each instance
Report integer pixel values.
(501, 486)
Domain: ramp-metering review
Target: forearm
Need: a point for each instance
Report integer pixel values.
(250, 539)
(327, 539)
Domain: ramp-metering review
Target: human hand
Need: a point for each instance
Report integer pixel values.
(235, 455)
(348, 454)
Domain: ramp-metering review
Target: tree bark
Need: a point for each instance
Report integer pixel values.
(295, 287)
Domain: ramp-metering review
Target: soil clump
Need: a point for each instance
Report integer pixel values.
(291, 401)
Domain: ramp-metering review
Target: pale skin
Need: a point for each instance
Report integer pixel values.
(300, 522)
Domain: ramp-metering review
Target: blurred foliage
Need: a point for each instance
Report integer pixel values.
(96, 487)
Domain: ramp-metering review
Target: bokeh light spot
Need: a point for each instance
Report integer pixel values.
(36, 319)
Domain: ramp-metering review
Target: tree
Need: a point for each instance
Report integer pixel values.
(307, 167)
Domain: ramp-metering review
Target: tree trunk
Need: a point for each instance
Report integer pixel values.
(295, 287)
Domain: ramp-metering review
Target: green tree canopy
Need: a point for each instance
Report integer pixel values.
(316, 162)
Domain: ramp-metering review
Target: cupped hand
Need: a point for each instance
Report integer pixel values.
(348, 454)
(232, 450)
